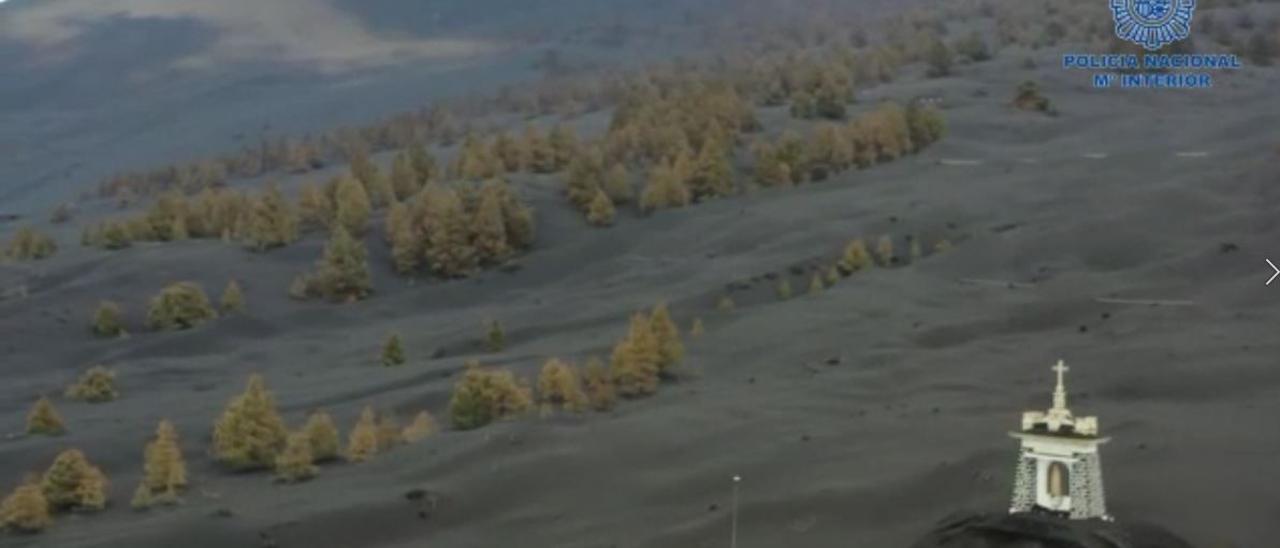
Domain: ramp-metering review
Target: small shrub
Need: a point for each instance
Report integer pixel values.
(300, 287)
(72, 483)
(698, 329)
(164, 470)
(362, 441)
(250, 432)
(1028, 97)
(483, 396)
(392, 351)
(295, 463)
(725, 303)
(108, 320)
(942, 246)
(232, 298)
(832, 276)
(182, 305)
(423, 426)
(96, 385)
(322, 433)
(495, 339)
(44, 419)
(601, 394)
(558, 384)
(26, 510)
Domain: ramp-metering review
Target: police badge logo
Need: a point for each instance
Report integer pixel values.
(1153, 24)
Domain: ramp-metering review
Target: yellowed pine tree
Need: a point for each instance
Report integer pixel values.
(558, 384)
(601, 211)
(342, 274)
(636, 358)
(423, 426)
(73, 483)
(272, 222)
(488, 228)
(96, 385)
(44, 419)
(315, 207)
(249, 433)
(664, 189)
(322, 434)
(232, 300)
(296, 463)
(855, 258)
(351, 205)
(448, 246)
(667, 337)
(26, 510)
(404, 181)
(483, 396)
(389, 432)
(362, 441)
(601, 393)
(164, 471)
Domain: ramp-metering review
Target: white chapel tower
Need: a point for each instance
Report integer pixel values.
(1058, 468)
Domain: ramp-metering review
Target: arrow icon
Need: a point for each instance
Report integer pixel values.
(1273, 267)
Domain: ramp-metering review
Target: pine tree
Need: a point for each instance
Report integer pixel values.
(517, 217)
(422, 427)
(832, 276)
(362, 442)
(507, 150)
(815, 285)
(448, 237)
(925, 124)
(939, 58)
(377, 187)
(27, 244)
(351, 205)
(232, 300)
(664, 189)
(182, 305)
(542, 157)
(558, 384)
(403, 179)
(601, 212)
(488, 228)
(389, 432)
(617, 184)
(482, 396)
(698, 329)
(855, 257)
(635, 361)
(495, 340)
(73, 483)
(96, 385)
(108, 320)
(250, 432)
(164, 470)
(667, 337)
(295, 463)
(783, 289)
(44, 419)
(424, 164)
(601, 394)
(272, 222)
(713, 175)
(884, 251)
(583, 181)
(315, 207)
(770, 170)
(322, 434)
(343, 272)
(392, 351)
(26, 510)
(564, 145)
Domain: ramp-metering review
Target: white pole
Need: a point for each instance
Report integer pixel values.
(733, 537)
